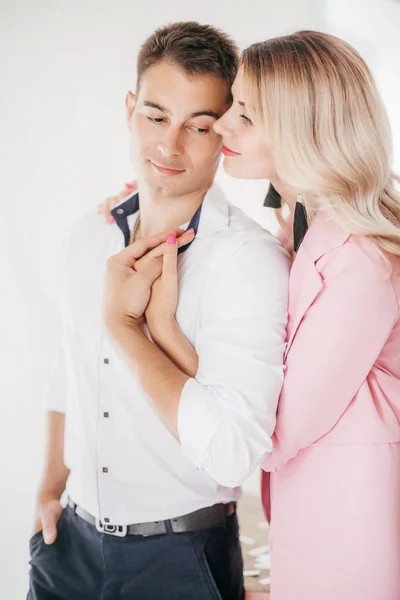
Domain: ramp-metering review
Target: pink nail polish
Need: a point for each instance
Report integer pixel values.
(110, 220)
(129, 186)
(171, 239)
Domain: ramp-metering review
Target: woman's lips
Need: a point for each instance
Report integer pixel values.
(167, 170)
(228, 152)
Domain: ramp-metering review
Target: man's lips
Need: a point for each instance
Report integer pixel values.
(167, 170)
(228, 152)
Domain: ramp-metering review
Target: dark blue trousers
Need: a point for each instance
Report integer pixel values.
(84, 564)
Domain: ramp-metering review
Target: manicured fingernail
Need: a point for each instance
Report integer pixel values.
(171, 239)
(110, 220)
(129, 186)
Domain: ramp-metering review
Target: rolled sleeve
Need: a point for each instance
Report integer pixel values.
(227, 413)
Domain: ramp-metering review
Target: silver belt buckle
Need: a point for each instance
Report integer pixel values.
(118, 530)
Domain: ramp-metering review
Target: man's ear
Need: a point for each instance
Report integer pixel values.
(130, 103)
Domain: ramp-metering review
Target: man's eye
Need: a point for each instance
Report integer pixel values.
(201, 130)
(155, 119)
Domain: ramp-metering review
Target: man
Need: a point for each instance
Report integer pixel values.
(154, 458)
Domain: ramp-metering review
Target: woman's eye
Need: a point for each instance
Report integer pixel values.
(246, 120)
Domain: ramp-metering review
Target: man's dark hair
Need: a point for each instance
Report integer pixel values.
(194, 48)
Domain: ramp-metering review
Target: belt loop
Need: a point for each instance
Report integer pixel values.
(168, 526)
(72, 505)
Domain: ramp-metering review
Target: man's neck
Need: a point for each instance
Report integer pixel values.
(165, 213)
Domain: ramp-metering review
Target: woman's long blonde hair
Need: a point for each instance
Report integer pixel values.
(328, 131)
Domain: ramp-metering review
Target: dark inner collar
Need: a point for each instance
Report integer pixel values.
(121, 213)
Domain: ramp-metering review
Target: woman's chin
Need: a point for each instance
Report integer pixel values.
(234, 170)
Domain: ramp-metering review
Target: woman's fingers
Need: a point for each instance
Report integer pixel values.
(170, 257)
(182, 238)
(109, 203)
(130, 255)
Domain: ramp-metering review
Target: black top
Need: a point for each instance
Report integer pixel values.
(300, 225)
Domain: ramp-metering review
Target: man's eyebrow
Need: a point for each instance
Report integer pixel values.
(155, 105)
(207, 113)
(199, 113)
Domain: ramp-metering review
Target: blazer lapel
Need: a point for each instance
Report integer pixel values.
(306, 282)
(305, 285)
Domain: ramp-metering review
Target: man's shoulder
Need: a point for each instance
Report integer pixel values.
(88, 228)
(245, 243)
(245, 233)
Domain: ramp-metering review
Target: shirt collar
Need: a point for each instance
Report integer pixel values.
(211, 216)
(273, 198)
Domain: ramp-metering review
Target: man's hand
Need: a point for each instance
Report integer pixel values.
(48, 513)
(127, 290)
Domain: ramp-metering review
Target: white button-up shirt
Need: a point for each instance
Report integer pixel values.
(125, 466)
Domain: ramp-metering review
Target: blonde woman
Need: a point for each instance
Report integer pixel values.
(335, 482)
(306, 114)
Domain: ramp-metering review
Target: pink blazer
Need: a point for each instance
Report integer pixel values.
(334, 494)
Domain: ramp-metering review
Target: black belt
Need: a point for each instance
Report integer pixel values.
(205, 518)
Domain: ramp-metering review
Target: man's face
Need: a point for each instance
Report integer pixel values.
(174, 147)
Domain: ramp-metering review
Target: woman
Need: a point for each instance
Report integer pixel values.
(307, 115)
(335, 483)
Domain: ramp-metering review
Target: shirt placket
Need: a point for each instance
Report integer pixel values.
(105, 431)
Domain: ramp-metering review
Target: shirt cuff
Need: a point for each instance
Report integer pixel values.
(195, 413)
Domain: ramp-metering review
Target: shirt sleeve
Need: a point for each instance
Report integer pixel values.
(227, 413)
(334, 349)
(56, 391)
(57, 387)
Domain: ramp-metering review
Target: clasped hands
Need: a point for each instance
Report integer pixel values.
(142, 283)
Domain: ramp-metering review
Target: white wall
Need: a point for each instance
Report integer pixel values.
(65, 69)
(373, 27)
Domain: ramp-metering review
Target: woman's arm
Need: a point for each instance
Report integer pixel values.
(170, 338)
(160, 313)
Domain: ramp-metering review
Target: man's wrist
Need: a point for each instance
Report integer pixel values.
(119, 325)
(48, 493)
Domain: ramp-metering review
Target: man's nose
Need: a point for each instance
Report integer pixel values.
(171, 144)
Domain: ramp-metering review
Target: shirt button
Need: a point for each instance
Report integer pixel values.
(106, 361)
(120, 211)
(106, 415)
(105, 470)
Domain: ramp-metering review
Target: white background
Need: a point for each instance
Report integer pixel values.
(64, 73)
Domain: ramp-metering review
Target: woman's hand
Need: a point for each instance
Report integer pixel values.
(161, 310)
(106, 207)
(160, 313)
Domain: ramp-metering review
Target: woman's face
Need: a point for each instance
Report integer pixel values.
(246, 152)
